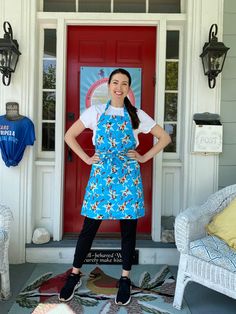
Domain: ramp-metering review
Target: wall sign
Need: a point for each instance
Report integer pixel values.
(207, 133)
(93, 86)
(208, 139)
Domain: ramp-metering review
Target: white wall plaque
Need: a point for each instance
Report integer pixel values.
(207, 138)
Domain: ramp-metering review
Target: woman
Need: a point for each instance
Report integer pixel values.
(114, 190)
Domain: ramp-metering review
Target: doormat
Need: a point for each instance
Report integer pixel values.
(153, 288)
(108, 257)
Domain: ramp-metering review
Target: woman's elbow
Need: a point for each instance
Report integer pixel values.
(169, 140)
(67, 137)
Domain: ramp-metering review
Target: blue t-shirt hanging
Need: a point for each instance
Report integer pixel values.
(15, 135)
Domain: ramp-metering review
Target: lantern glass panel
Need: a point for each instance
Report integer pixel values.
(206, 62)
(3, 59)
(13, 60)
(8, 56)
(216, 62)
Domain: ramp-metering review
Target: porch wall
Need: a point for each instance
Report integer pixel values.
(227, 165)
(16, 184)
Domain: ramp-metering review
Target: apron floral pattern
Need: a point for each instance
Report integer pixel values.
(114, 189)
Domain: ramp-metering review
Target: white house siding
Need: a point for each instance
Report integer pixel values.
(227, 165)
(16, 182)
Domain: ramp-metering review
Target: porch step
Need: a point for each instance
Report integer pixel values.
(150, 252)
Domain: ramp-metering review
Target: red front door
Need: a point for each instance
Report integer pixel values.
(106, 46)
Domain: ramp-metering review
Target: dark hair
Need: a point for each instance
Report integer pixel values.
(130, 108)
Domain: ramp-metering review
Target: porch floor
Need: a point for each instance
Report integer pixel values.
(200, 300)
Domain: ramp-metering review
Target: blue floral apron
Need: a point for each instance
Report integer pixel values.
(114, 189)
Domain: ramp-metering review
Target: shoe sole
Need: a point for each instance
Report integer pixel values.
(120, 303)
(73, 293)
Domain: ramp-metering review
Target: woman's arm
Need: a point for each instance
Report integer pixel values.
(163, 140)
(70, 138)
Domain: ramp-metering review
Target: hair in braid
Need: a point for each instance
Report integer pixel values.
(130, 108)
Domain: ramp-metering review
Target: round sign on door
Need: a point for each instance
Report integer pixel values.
(93, 86)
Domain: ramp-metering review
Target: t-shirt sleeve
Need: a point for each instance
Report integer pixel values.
(30, 136)
(146, 122)
(89, 117)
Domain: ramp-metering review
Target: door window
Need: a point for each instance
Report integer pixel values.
(48, 95)
(59, 5)
(134, 6)
(94, 6)
(164, 6)
(172, 89)
(138, 6)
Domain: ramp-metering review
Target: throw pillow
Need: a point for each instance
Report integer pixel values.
(223, 225)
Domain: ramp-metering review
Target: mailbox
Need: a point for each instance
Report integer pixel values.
(207, 133)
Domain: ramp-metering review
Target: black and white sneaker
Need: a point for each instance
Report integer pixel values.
(123, 295)
(67, 292)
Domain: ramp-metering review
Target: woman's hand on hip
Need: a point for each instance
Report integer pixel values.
(133, 154)
(93, 159)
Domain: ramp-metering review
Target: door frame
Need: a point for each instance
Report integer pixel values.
(156, 20)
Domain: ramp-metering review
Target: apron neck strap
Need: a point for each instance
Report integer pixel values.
(109, 103)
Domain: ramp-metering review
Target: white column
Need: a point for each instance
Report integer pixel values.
(16, 182)
(200, 172)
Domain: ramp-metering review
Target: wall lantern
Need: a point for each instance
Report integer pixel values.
(213, 56)
(9, 54)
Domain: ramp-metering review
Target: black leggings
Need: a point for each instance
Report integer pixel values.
(87, 235)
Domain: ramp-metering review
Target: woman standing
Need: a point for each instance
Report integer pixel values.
(114, 189)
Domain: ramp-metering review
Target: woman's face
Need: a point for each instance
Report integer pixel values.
(119, 86)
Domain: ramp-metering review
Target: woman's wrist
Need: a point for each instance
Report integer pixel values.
(86, 159)
(144, 159)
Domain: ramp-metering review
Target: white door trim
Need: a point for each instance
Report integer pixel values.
(114, 19)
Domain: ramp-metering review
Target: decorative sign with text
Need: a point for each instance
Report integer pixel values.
(207, 138)
(108, 257)
(94, 90)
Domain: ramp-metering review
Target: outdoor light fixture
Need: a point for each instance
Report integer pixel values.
(213, 56)
(9, 54)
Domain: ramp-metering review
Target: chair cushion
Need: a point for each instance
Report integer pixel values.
(214, 250)
(223, 225)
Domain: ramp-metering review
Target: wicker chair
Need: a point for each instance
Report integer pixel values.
(210, 271)
(5, 220)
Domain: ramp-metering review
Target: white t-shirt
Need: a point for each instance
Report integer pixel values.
(91, 116)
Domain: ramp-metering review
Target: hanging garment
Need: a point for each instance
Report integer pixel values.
(114, 189)
(15, 135)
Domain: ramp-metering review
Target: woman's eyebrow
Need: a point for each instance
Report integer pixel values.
(118, 81)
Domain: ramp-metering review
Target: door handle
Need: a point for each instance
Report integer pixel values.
(69, 156)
